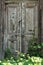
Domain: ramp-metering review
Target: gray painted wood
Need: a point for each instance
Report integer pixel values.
(1, 28)
(26, 21)
(4, 28)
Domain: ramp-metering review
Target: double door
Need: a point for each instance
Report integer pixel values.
(21, 22)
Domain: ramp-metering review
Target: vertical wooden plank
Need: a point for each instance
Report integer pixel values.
(41, 20)
(1, 28)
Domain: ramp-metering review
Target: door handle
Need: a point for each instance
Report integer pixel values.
(31, 30)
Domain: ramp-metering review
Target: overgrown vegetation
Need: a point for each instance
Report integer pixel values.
(34, 56)
(22, 59)
(35, 48)
(8, 53)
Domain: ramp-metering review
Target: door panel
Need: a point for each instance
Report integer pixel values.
(30, 23)
(11, 21)
(11, 26)
(29, 19)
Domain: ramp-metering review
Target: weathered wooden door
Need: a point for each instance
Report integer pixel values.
(21, 22)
